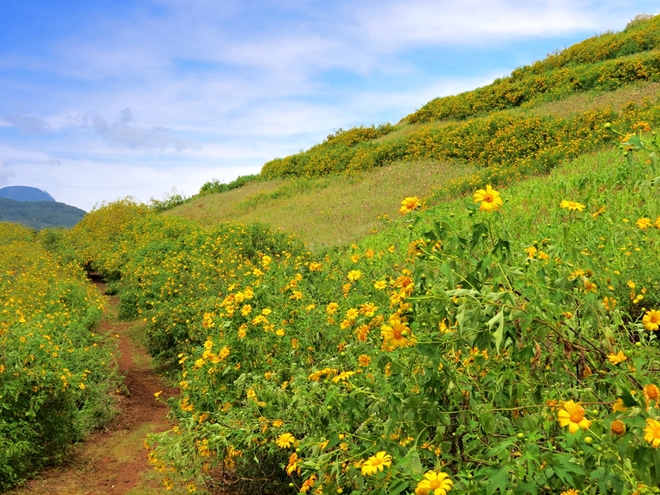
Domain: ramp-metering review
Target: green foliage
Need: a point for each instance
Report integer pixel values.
(498, 142)
(171, 200)
(215, 186)
(450, 343)
(360, 134)
(39, 214)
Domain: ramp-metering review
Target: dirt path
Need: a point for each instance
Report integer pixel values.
(114, 461)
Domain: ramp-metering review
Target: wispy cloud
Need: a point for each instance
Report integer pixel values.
(29, 124)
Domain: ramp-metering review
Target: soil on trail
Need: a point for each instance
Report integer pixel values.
(114, 461)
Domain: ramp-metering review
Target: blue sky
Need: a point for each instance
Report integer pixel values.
(104, 99)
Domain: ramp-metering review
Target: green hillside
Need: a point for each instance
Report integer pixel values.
(527, 123)
(39, 214)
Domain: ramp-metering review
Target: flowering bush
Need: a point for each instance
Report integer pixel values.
(507, 343)
(55, 371)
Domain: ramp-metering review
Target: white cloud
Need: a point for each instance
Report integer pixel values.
(29, 124)
(5, 175)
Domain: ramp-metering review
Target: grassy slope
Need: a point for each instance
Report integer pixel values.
(336, 210)
(326, 211)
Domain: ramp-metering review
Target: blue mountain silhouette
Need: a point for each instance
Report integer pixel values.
(24, 193)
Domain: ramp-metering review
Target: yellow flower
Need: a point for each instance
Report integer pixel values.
(381, 284)
(394, 335)
(617, 427)
(344, 375)
(644, 223)
(651, 392)
(652, 432)
(651, 320)
(308, 483)
(619, 406)
(617, 358)
(572, 415)
(571, 205)
(285, 440)
(572, 491)
(609, 303)
(293, 464)
(352, 314)
(364, 360)
(376, 463)
(409, 204)
(277, 423)
(435, 483)
(354, 275)
(489, 198)
(332, 308)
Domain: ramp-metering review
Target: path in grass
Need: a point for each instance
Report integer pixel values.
(114, 461)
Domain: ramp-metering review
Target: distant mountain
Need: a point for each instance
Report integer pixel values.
(39, 214)
(24, 193)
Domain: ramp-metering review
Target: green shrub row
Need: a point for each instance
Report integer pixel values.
(56, 371)
(533, 88)
(500, 140)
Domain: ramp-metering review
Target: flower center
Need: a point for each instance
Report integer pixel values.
(376, 462)
(396, 333)
(435, 484)
(577, 416)
(488, 198)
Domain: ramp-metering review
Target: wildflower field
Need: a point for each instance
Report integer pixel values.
(492, 340)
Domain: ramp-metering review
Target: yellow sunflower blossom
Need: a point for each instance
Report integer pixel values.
(644, 223)
(572, 415)
(434, 483)
(617, 427)
(651, 393)
(651, 320)
(285, 440)
(617, 358)
(652, 432)
(395, 335)
(343, 376)
(409, 204)
(572, 205)
(572, 491)
(489, 198)
(354, 275)
(376, 463)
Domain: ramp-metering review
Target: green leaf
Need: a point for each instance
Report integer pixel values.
(628, 399)
(498, 335)
(478, 230)
(498, 481)
(397, 487)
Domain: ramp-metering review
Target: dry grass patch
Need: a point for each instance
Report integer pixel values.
(326, 211)
(584, 102)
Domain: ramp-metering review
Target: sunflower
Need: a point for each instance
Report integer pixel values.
(489, 198)
(617, 427)
(572, 415)
(285, 440)
(571, 205)
(644, 223)
(394, 335)
(651, 320)
(620, 357)
(651, 392)
(409, 204)
(652, 432)
(435, 483)
(376, 463)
